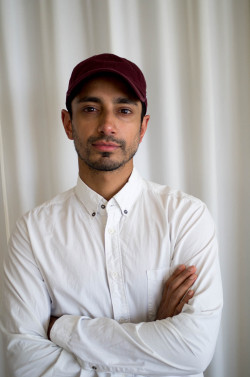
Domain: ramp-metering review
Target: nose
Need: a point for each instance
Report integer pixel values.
(107, 123)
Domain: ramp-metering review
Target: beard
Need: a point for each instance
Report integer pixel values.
(104, 162)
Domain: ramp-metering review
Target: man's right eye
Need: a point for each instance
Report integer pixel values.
(89, 109)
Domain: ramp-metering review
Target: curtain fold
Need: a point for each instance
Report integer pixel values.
(195, 55)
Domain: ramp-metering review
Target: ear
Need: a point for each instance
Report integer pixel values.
(67, 123)
(144, 126)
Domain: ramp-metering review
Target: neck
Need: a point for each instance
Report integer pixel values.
(105, 183)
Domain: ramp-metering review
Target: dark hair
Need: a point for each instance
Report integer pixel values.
(143, 111)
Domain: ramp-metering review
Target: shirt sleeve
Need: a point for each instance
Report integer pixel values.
(181, 345)
(25, 314)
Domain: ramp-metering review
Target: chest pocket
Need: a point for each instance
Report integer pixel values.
(156, 280)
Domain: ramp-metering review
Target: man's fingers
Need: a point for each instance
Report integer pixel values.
(175, 296)
(179, 270)
(176, 280)
(180, 278)
(174, 310)
(187, 297)
(184, 301)
(176, 291)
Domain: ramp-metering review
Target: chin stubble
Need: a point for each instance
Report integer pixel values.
(105, 162)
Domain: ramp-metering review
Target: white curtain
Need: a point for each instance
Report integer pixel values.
(196, 59)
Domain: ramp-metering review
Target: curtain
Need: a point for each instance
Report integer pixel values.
(195, 55)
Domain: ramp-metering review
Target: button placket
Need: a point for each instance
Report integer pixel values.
(114, 265)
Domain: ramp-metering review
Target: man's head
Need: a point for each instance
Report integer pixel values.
(106, 102)
(107, 64)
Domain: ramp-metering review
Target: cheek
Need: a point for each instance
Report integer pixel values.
(82, 132)
(133, 139)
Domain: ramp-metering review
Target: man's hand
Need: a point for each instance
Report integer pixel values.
(176, 292)
(51, 323)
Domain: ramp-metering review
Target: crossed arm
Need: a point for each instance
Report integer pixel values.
(175, 295)
(162, 347)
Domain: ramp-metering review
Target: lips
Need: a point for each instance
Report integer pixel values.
(105, 146)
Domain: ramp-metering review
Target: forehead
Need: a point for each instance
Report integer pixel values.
(107, 84)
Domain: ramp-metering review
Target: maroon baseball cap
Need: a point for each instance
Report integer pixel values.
(107, 63)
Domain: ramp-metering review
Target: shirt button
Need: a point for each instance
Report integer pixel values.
(111, 231)
(94, 367)
(125, 211)
(114, 275)
(103, 206)
(93, 214)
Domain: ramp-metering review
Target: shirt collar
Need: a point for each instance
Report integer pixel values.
(89, 198)
(125, 198)
(130, 192)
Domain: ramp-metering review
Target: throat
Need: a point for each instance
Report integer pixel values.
(106, 183)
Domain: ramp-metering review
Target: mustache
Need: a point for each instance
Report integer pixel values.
(93, 139)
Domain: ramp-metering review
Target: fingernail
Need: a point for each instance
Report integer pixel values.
(191, 268)
(192, 277)
(181, 267)
(190, 293)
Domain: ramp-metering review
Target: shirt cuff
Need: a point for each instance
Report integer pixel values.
(62, 329)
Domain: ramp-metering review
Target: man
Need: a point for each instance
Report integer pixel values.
(117, 276)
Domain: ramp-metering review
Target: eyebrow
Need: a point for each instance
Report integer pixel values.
(89, 99)
(119, 100)
(126, 100)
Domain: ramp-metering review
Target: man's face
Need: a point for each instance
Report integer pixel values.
(106, 124)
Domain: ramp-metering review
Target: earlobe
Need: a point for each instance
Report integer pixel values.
(144, 126)
(67, 124)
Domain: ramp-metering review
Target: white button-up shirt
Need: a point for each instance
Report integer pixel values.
(101, 266)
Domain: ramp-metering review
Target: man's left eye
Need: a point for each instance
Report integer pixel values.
(125, 111)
